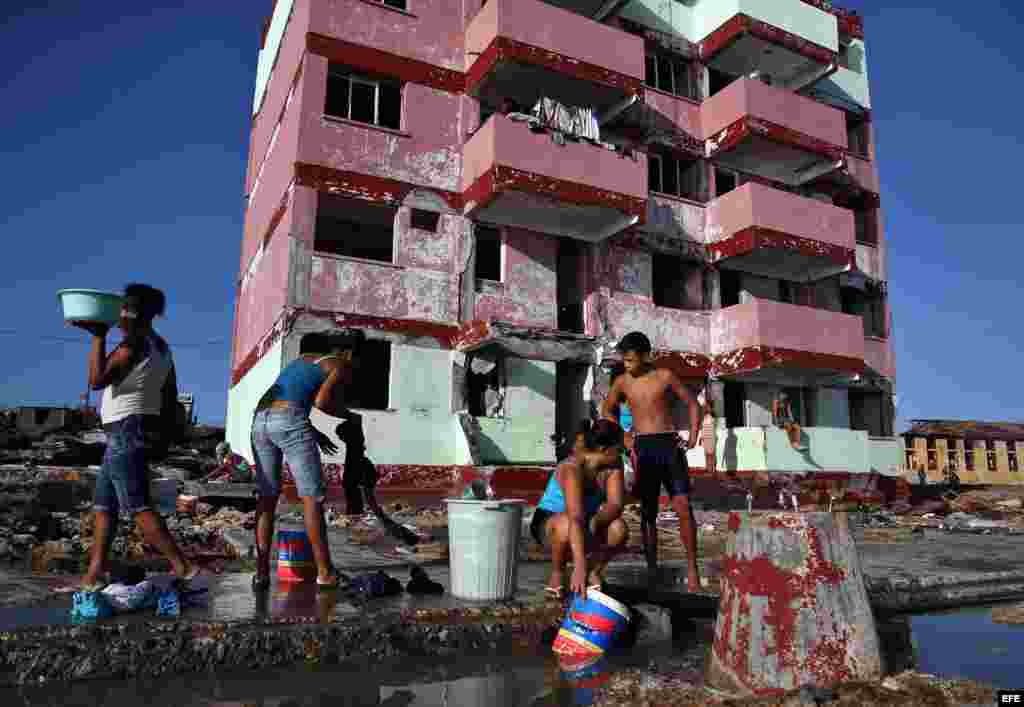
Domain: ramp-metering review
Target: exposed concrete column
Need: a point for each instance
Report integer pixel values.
(466, 269)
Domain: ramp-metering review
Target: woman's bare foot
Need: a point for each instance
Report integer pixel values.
(555, 583)
(596, 578)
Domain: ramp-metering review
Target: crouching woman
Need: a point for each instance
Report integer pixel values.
(581, 509)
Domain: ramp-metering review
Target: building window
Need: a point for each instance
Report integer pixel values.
(677, 283)
(1011, 454)
(370, 387)
(990, 454)
(363, 99)
(868, 412)
(857, 135)
(969, 458)
(424, 220)
(354, 228)
(671, 74)
(678, 176)
(725, 181)
(488, 253)
(870, 306)
(397, 4)
(865, 222)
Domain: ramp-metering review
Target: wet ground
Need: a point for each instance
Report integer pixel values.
(968, 644)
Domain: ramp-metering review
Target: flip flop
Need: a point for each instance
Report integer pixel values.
(340, 581)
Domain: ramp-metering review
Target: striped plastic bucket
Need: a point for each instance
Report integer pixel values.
(294, 557)
(585, 675)
(591, 625)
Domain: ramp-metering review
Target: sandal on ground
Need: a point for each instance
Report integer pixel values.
(260, 582)
(98, 586)
(554, 592)
(338, 581)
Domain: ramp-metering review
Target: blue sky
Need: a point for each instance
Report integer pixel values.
(123, 146)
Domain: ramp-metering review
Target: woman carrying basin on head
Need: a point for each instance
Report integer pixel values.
(581, 509)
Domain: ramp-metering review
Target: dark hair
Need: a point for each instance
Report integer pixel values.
(635, 341)
(316, 342)
(602, 433)
(151, 301)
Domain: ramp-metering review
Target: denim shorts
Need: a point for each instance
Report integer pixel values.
(122, 483)
(286, 435)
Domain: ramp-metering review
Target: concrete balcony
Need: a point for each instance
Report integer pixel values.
(773, 133)
(793, 42)
(513, 176)
(522, 49)
(763, 334)
(772, 233)
(879, 356)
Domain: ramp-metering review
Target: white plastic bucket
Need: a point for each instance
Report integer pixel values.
(90, 306)
(483, 551)
(164, 493)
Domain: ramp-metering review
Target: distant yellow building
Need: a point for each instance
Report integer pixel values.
(979, 452)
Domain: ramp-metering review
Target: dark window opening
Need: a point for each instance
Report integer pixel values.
(484, 386)
(354, 228)
(718, 80)
(969, 458)
(363, 99)
(725, 182)
(734, 395)
(400, 4)
(677, 283)
(671, 74)
(868, 412)
(41, 416)
(866, 225)
(369, 389)
(424, 220)
(669, 174)
(857, 135)
(569, 292)
(729, 281)
(867, 305)
(488, 253)
(1011, 454)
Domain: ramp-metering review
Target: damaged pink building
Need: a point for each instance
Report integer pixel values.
(496, 191)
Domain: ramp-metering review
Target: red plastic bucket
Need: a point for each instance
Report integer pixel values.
(295, 557)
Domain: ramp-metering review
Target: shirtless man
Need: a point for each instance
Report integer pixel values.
(660, 461)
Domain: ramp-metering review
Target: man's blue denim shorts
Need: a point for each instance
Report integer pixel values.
(286, 435)
(123, 480)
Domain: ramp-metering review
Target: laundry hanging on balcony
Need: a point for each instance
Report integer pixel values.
(567, 121)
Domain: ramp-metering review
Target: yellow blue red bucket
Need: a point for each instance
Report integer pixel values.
(591, 625)
(294, 557)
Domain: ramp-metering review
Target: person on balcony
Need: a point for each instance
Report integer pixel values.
(581, 509)
(782, 416)
(709, 435)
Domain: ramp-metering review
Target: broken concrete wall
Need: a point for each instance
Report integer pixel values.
(523, 433)
(528, 291)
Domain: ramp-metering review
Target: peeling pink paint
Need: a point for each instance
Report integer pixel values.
(527, 295)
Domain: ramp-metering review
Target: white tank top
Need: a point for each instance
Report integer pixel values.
(140, 393)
